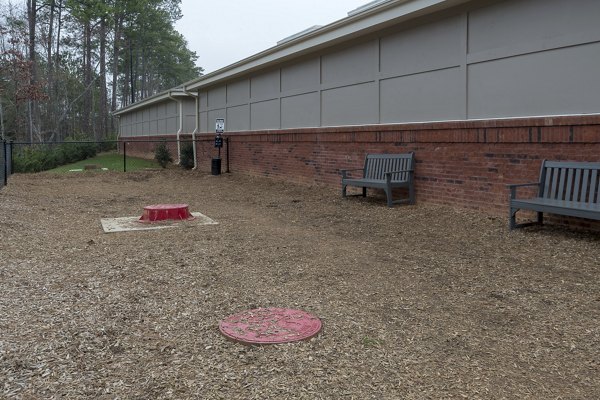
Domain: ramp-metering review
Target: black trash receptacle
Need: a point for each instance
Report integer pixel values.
(216, 166)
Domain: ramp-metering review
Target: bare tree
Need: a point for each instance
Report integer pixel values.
(32, 23)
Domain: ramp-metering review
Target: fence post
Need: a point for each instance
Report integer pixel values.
(5, 162)
(227, 144)
(124, 156)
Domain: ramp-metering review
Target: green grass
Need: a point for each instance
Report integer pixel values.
(112, 161)
(370, 342)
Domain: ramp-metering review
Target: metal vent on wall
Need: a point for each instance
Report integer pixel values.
(301, 33)
(365, 7)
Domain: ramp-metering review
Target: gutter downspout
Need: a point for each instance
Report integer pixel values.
(197, 127)
(180, 107)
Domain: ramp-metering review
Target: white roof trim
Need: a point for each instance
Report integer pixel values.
(298, 34)
(364, 7)
(167, 95)
(373, 18)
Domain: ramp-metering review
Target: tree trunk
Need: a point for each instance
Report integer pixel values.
(125, 89)
(32, 19)
(115, 71)
(143, 92)
(131, 76)
(55, 93)
(102, 109)
(50, 73)
(87, 77)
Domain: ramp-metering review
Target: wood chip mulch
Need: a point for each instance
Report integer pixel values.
(416, 301)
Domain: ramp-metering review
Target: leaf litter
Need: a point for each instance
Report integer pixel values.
(417, 302)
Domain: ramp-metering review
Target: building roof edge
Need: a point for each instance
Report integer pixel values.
(370, 19)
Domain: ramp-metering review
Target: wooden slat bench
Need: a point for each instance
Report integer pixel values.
(564, 188)
(384, 171)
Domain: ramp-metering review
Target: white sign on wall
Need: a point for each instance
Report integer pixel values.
(220, 125)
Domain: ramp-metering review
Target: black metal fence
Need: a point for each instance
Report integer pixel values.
(5, 162)
(127, 147)
(147, 146)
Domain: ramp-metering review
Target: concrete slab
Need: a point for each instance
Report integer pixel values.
(81, 169)
(123, 224)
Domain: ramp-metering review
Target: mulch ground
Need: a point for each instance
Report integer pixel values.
(416, 301)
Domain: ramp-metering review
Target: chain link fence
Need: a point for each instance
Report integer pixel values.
(35, 157)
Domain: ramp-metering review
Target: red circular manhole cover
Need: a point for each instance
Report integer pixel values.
(270, 326)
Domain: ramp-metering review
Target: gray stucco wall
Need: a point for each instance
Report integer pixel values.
(511, 58)
(160, 118)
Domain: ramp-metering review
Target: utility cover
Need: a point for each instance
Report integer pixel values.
(163, 212)
(122, 224)
(270, 326)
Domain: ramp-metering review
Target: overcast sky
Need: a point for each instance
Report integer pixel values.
(222, 32)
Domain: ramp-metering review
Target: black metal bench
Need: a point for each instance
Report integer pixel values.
(384, 171)
(564, 188)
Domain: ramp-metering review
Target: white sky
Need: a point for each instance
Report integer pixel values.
(222, 32)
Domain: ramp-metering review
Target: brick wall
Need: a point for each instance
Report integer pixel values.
(465, 164)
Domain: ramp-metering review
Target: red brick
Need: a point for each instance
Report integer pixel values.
(463, 164)
(586, 134)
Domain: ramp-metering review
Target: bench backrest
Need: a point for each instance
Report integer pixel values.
(570, 181)
(376, 165)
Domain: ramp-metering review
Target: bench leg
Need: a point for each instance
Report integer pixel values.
(411, 194)
(364, 192)
(388, 195)
(512, 220)
(344, 190)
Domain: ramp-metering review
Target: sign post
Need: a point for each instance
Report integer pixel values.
(219, 129)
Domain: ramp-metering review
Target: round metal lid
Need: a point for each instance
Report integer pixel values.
(270, 326)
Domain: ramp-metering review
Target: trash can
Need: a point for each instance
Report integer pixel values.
(216, 166)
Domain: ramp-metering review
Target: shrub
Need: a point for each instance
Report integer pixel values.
(42, 157)
(73, 152)
(109, 144)
(162, 155)
(89, 150)
(28, 160)
(186, 158)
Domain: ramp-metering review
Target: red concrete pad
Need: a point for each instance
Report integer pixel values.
(270, 326)
(163, 212)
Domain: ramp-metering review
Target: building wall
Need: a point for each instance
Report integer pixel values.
(510, 58)
(476, 68)
(158, 119)
(459, 164)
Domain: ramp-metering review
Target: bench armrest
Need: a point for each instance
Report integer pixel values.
(513, 188)
(516, 185)
(344, 172)
(388, 175)
(397, 172)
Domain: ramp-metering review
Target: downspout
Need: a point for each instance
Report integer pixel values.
(197, 124)
(180, 107)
